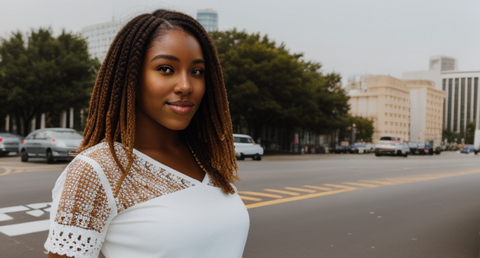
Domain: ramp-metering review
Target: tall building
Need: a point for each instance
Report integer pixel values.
(410, 110)
(100, 36)
(386, 102)
(426, 111)
(461, 105)
(208, 18)
(438, 64)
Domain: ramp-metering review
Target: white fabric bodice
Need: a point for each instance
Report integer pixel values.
(159, 212)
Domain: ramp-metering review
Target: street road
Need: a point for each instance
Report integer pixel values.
(332, 205)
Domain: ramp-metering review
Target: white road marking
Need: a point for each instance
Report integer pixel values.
(34, 210)
(35, 213)
(5, 217)
(25, 228)
(13, 209)
(38, 205)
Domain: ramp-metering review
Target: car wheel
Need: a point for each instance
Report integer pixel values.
(476, 152)
(50, 159)
(257, 157)
(406, 154)
(378, 154)
(241, 157)
(24, 156)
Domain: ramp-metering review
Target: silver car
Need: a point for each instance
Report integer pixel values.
(245, 147)
(9, 143)
(395, 148)
(51, 144)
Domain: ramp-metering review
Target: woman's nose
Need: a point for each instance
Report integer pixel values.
(184, 86)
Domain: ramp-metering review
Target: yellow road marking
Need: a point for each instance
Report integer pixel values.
(250, 198)
(318, 187)
(377, 182)
(281, 192)
(296, 198)
(261, 194)
(341, 186)
(300, 190)
(344, 188)
(360, 184)
(7, 171)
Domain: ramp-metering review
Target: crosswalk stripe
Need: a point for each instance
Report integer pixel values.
(360, 184)
(377, 182)
(25, 228)
(281, 192)
(300, 190)
(261, 194)
(341, 186)
(248, 198)
(318, 187)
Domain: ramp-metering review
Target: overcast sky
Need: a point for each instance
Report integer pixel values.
(350, 37)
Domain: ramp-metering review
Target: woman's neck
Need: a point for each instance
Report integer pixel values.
(151, 135)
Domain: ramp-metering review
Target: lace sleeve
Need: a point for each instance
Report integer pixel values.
(81, 211)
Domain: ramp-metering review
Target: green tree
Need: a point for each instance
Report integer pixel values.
(450, 135)
(269, 86)
(42, 73)
(470, 133)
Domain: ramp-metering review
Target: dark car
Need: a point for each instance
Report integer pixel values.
(9, 143)
(467, 149)
(341, 149)
(51, 144)
(413, 147)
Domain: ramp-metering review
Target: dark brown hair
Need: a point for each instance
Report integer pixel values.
(111, 114)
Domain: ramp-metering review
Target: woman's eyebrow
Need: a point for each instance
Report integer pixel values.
(198, 61)
(173, 58)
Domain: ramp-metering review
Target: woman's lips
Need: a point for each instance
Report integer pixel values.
(181, 107)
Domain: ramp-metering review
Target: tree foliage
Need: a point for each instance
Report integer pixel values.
(269, 86)
(42, 73)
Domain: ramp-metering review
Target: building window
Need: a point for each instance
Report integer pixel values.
(462, 105)
(469, 99)
(455, 107)
(449, 114)
(475, 98)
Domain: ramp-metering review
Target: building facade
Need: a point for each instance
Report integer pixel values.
(208, 18)
(461, 103)
(438, 65)
(386, 102)
(426, 111)
(100, 36)
(410, 110)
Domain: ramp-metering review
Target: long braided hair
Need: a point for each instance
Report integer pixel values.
(111, 114)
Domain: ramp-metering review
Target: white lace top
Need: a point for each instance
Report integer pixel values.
(159, 212)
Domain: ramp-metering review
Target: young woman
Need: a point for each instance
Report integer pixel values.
(155, 172)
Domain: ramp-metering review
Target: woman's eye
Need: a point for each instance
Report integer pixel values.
(197, 72)
(165, 69)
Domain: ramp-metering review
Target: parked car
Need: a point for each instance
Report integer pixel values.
(394, 148)
(341, 149)
(9, 142)
(370, 147)
(51, 144)
(245, 147)
(360, 148)
(413, 147)
(467, 149)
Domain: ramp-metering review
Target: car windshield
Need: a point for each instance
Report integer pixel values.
(65, 135)
(242, 140)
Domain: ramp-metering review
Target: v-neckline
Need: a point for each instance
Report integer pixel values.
(154, 162)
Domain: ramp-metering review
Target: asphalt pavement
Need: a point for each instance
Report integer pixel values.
(327, 205)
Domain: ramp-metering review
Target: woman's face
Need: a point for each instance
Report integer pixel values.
(172, 81)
